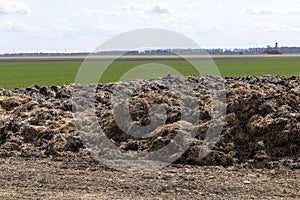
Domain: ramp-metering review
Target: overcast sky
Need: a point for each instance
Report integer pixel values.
(70, 25)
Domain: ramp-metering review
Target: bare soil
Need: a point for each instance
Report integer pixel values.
(23, 178)
(257, 156)
(143, 58)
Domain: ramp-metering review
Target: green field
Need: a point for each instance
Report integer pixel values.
(23, 74)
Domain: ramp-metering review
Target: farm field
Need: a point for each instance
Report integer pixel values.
(47, 72)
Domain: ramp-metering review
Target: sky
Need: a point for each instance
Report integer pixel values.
(72, 26)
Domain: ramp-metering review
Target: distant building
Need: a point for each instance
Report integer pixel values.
(272, 50)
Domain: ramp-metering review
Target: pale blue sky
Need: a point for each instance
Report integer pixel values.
(59, 25)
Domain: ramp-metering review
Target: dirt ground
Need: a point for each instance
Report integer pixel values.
(143, 58)
(47, 154)
(36, 178)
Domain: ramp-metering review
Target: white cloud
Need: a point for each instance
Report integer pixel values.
(187, 7)
(135, 7)
(8, 7)
(214, 28)
(113, 13)
(275, 28)
(190, 6)
(159, 8)
(156, 8)
(91, 12)
(61, 28)
(172, 24)
(270, 28)
(294, 12)
(220, 5)
(290, 8)
(275, 8)
(87, 24)
(259, 11)
(10, 26)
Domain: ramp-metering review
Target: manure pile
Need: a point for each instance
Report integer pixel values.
(262, 122)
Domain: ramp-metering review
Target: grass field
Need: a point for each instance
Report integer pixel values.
(23, 74)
